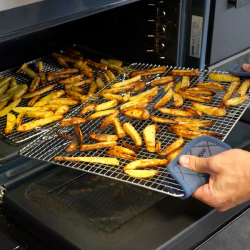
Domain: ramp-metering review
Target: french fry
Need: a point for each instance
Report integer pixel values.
(100, 83)
(158, 147)
(110, 97)
(176, 112)
(173, 146)
(62, 62)
(193, 134)
(174, 154)
(65, 58)
(108, 120)
(131, 131)
(143, 174)
(197, 98)
(98, 145)
(223, 77)
(178, 100)
(103, 137)
(124, 150)
(100, 75)
(92, 89)
(244, 87)
(162, 120)
(34, 84)
(165, 99)
(3, 104)
(64, 109)
(11, 121)
(193, 122)
(212, 111)
(88, 74)
(101, 160)
(46, 99)
(101, 114)
(200, 91)
(136, 106)
(110, 74)
(161, 81)
(184, 72)
(210, 85)
(125, 97)
(30, 73)
(73, 51)
(106, 105)
(236, 101)
(88, 108)
(149, 137)
(7, 109)
(39, 91)
(153, 71)
(62, 101)
(39, 114)
(150, 92)
(113, 61)
(185, 82)
(57, 76)
(33, 100)
(13, 82)
(107, 79)
(230, 91)
(133, 148)
(72, 79)
(21, 90)
(147, 163)
(120, 155)
(116, 90)
(78, 133)
(142, 114)
(82, 66)
(69, 97)
(138, 86)
(75, 95)
(193, 111)
(24, 109)
(120, 132)
(38, 123)
(177, 87)
(168, 86)
(19, 119)
(24, 66)
(72, 147)
(112, 66)
(63, 71)
(49, 107)
(71, 121)
(78, 89)
(96, 65)
(126, 82)
(186, 126)
(65, 136)
(72, 55)
(78, 84)
(136, 102)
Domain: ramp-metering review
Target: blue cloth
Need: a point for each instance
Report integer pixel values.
(237, 71)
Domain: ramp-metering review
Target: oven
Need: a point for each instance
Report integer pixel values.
(70, 209)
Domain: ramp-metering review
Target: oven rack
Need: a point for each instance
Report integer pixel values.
(49, 64)
(46, 147)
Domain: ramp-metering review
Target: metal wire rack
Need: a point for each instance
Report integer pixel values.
(47, 147)
(49, 64)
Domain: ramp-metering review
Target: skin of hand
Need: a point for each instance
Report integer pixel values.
(246, 67)
(229, 182)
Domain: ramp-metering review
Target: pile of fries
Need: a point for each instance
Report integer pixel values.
(182, 124)
(52, 107)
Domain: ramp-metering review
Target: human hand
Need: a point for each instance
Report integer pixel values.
(246, 67)
(229, 182)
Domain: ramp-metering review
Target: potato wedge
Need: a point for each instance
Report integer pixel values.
(185, 82)
(49, 107)
(127, 145)
(223, 77)
(178, 100)
(158, 147)
(150, 92)
(38, 123)
(244, 87)
(7, 109)
(193, 134)
(65, 58)
(82, 66)
(112, 66)
(11, 121)
(120, 155)
(65, 136)
(194, 122)
(168, 86)
(62, 101)
(101, 114)
(63, 71)
(108, 120)
(125, 97)
(43, 78)
(114, 61)
(99, 145)
(24, 66)
(3, 104)
(176, 112)
(45, 100)
(19, 119)
(96, 65)
(186, 126)
(103, 137)
(88, 74)
(100, 83)
(116, 90)
(72, 79)
(210, 85)
(33, 100)
(149, 137)
(35, 82)
(165, 99)
(124, 150)
(57, 76)
(39, 114)
(236, 101)
(72, 147)
(131, 131)
(106, 105)
(92, 89)
(126, 82)
(120, 132)
(79, 134)
(146, 72)
(75, 95)
(136, 102)
(78, 84)
(62, 62)
(101, 160)
(212, 111)
(161, 81)
(78, 89)
(193, 111)
(172, 147)
(88, 108)
(177, 87)
(30, 73)
(143, 174)
(198, 98)
(107, 79)
(174, 154)
(184, 72)
(230, 91)
(110, 97)
(142, 114)
(138, 86)
(136, 106)
(200, 91)
(110, 74)
(147, 163)
(162, 120)
(24, 109)
(72, 121)
(39, 91)
(64, 109)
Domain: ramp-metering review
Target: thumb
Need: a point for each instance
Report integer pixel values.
(246, 67)
(199, 165)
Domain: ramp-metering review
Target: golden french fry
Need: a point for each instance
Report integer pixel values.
(34, 84)
(78, 84)
(150, 92)
(186, 126)
(120, 155)
(92, 89)
(101, 114)
(63, 71)
(75, 95)
(57, 76)
(13, 82)
(24, 66)
(72, 79)
(133, 148)
(72, 121)
(11, 121)
(184, 72)
(174, 154)
(103, 137)
(101, 160)
(113, 61)
(49, 107)
(210, 85)
(40, 91)
(193, 122)
(138, 86)
(230, 91)
(185, 82)
(120, 132)
(161, 81)
(39, 114)
(65, 136)
(212, 111)
(45, 100)
(112, 66)
(99, 145)
(72, 147)
(3, 104)
(193, 111)
(82, 66)
(162, 120)
(149, 137)
(178, 100)
(136, 102)
(65, 58)
(142, 114)
(7, 109)
(38, 123)
(168, 86)
(244, 87)
(173, 146)
(88, 74)
(125, 97)
(165, 99)
(131, 131)
(100, 83)
(176, 112)
(21, 90)
(136, 106)
(153, 71)
(100, 75)
(110, 97)
(24, 109)
(116, 90)
(223, 77)
(73, 51)
(88, 108)
(158, 147)
(64, 109)
(236, 101)
(19, 119)
(198, 98)
(33, 100)
(107, 79)
(106, 105)
(110, 74)
(177, 87)
(143, 174)
(147, 163)
(124, 150)
(78, 89)
(193, 134)
(29, 72)
(78, 133)
(96, 65)
(200, 91)
(62, 62)
(126, 82)
(109, 120)
(62, 101)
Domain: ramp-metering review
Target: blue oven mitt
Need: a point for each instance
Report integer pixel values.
(202, 146)
(237, 71)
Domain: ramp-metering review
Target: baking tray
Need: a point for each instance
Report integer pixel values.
(46, 147)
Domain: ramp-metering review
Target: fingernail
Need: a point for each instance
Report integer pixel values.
(184, 160)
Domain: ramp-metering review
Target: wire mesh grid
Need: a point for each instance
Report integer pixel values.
(47, 147)
(49, 64)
